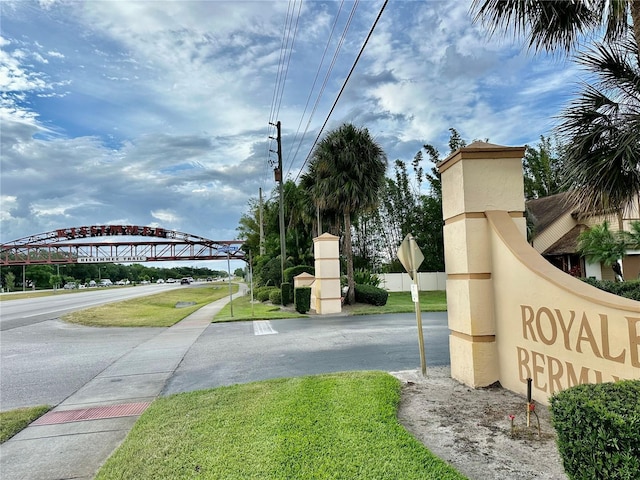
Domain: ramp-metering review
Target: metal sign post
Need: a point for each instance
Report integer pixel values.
(411, 257)
(230, 288)
(228, 249)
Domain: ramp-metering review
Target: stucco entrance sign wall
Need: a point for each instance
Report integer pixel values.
(512, 315)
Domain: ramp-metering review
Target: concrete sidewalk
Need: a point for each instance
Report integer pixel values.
(76, 437)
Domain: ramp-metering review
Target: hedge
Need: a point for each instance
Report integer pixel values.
(303, 299)
(292, 272)
(285, 290)
(262, 293)
(372, 295)
(628, 289)
(275, 297)
(598, 429)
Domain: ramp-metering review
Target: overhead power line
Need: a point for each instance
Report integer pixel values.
(375, 23)
(326, 79)
(289, 33)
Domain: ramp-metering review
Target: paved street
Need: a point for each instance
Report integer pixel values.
(105, 377)
(28, 311)
(46, 362)
(230, 353)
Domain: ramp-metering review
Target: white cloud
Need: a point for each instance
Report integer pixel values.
(165, 216)
(156, 112)
(14, 77)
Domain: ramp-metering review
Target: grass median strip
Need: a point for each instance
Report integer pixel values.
(12, 421)
(152, 311)
(398, 302)
(334, 426)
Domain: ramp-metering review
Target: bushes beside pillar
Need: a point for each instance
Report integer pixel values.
(597, 427)
(303, 299)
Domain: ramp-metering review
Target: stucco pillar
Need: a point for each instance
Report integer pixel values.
(326, 288)
(475, 179)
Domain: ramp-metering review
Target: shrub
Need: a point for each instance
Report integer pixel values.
(275, 297)
(372, 295)
(303, 299)
(597, 427)
(628, 289)
(365, 277)
(269, 272)
(285, 290)
(292, 272)
(262, 293)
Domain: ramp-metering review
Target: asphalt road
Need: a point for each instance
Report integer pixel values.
(23, 312)
(230, 353)
(46, 361)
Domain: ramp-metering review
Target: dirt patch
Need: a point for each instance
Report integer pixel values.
(471, 429)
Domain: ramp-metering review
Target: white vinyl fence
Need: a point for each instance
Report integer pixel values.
(401, 282)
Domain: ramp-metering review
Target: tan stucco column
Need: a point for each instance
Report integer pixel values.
(475, 179)
(326, 288)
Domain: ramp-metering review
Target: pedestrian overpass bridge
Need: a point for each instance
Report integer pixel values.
(115, 244)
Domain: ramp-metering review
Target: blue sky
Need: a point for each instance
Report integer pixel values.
(157, 112)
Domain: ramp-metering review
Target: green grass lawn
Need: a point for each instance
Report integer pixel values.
(243, 309)
(398, 302)
(153, 311)
(335, 426)
(39, 293)
(11, 422)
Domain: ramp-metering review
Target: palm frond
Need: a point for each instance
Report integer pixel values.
(602, 127)
(545, 24)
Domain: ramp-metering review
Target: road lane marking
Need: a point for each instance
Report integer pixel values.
(263, 327)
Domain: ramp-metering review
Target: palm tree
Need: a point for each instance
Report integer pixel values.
(560, 23)
(632, 237)
(600, 244)
(347, 171)
(602, 128)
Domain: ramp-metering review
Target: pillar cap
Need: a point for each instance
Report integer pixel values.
(480, 150)
(325, 237)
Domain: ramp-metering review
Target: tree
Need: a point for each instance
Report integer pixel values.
(602, 126)
(40, 275)
(542, 168)
(549, 25)
(298, 228)
(632, 237)
(601, 245)
(348, 172)
(9, 281)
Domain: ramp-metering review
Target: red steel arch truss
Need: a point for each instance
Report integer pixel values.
(113, 244)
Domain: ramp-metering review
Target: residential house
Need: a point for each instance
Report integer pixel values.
(555, 225)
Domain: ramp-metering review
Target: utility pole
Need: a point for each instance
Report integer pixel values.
(278, 177)
(261, 226)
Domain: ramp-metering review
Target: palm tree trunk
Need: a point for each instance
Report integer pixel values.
(348, 251)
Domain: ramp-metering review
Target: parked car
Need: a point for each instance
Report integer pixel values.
(70, 286)
(105, 282)
(160, 280)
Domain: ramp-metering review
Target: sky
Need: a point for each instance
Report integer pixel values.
(158, 113)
